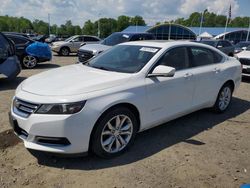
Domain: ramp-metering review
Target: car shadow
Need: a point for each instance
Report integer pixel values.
(6, 84)
(46, 66)
(246, 79)
(151, 141)
(70, 55)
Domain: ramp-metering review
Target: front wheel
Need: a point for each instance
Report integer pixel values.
(115, 132)
(29, 61)
(224, 98)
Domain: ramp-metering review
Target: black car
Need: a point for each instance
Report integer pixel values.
(241, 46)
(91, 50)
(223, 45)
(21, 43)
(9, 63)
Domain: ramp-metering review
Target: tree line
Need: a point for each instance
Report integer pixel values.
(110, 25)
(106, 25)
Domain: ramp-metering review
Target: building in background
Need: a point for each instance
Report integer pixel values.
(178, 32)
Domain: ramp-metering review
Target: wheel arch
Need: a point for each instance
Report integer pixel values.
(231, 83)
(130, 106)
(65, 47)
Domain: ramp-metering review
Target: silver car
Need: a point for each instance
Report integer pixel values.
(72, 44)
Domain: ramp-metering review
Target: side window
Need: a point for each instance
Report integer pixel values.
(18, 41)
(136, 38)
(77, 39)
(202, 56)
(177, 58)
(148, 37)
(90, 39)
(226, 44)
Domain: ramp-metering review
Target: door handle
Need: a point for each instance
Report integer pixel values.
(188, 75)
(216, 70)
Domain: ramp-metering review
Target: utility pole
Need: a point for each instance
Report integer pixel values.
(248, 30)
(49, 22)
(99, 29)
(202, 18)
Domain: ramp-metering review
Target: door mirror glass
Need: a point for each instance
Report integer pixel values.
(162, 71)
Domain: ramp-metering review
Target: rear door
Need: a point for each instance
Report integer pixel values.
(207, 73)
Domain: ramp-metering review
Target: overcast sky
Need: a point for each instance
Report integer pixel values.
(151, 10)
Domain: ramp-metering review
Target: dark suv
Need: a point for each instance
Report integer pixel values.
(90, 50)
(27, 60)
(9, 64)
(223, 45)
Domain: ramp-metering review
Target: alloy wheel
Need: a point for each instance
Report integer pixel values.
(116, 134)
(225, 98)
(29, 61)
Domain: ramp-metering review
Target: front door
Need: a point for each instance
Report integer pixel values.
(170, 97)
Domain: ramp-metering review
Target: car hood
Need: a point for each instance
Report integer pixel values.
(94, 48)
(244, 54)
(59, 43)
(73, 80)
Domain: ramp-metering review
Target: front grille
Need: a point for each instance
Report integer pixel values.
(84, 55)
(23, 108)
(245, 61)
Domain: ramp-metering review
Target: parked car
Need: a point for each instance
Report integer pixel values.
(125, 90)
(88, 51)
(29, 60)
(244, 58)
(241, 46)
(223, 45)
(16, 33)
(72, 44)
(9, 63)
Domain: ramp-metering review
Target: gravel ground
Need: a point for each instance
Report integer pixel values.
(202, 149)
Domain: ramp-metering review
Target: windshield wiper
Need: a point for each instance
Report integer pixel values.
(102, 68)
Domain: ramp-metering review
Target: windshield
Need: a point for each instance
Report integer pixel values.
(115, 38)
(69, 39)
(210, 43)
(124, 58)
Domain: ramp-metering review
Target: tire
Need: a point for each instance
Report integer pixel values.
(29, 61)
(114, 133)
(64, 51)
(224, 98)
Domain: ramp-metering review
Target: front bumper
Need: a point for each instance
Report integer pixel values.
(75, 128)
(246, 70)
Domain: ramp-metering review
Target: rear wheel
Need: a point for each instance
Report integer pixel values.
(224, 98)
(115, 132)
(29, 61)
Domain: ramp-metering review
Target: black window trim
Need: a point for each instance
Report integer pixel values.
(190, 68)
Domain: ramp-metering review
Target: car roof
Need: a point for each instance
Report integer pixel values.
(17, 36)
(135, 33)
(167, 44)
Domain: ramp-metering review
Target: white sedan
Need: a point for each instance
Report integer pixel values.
(102, 104)
(244, 58)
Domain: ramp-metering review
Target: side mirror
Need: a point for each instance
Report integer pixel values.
(162, 71)
(84, 43)
(244, 48)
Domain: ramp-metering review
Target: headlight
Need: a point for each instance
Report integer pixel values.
(69, 108)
